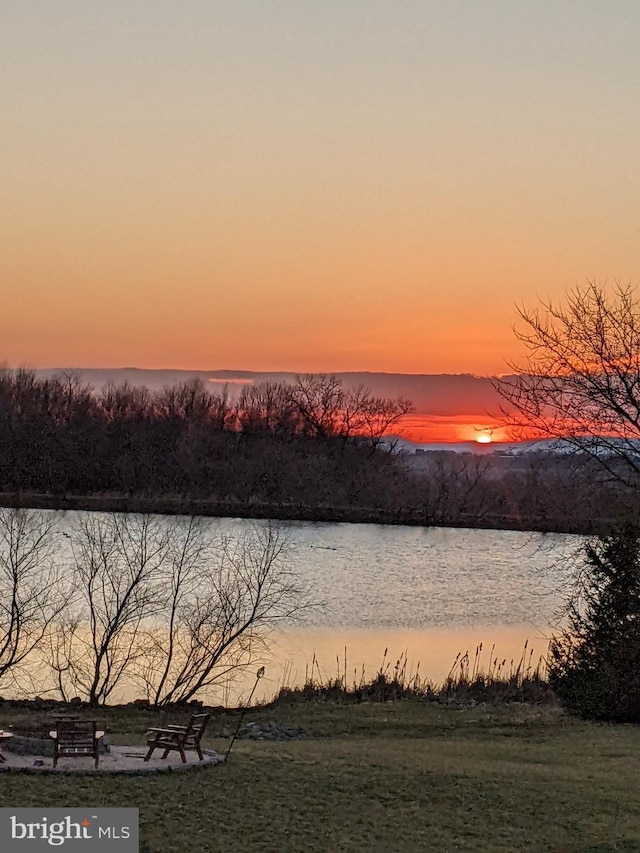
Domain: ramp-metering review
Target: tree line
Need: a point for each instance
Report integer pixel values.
(530, 490)
(313, 442)
(312, 450)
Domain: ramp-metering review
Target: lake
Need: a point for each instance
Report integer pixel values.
(423, 593)
(428, 593)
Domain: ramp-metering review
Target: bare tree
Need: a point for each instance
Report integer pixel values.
(325, 409)
(454, 486)
(119, 560)
(580, 380)
(372, 417)
(33, 588)
(189, 550)
(267, 408)
(225, 596)
(163, 603)
(319, 406)
(319, 402)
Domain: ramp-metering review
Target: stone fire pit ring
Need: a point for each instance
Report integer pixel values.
(123, 760)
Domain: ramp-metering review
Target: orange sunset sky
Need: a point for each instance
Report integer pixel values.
(301, 186)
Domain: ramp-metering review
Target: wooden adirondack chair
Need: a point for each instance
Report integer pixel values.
(179, 738)
(75, 738)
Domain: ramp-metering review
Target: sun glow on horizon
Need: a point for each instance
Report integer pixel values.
(426, 428)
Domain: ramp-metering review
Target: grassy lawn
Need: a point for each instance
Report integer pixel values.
(393, 777)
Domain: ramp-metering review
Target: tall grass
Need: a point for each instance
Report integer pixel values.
(469, 681)
(516, 680)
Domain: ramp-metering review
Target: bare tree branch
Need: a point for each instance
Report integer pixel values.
(33, 587)
(580, 380)
(119, 562)
(225, 597)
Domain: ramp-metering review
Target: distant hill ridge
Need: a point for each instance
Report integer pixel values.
(441, 394)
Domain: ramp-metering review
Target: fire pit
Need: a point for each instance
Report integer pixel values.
(128, 760)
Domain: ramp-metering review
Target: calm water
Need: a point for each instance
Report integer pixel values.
(429, 593)
(426, 593)
(381, 577)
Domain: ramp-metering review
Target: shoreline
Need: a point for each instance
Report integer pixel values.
(177, 505)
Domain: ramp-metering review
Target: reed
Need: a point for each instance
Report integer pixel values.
(468, 682)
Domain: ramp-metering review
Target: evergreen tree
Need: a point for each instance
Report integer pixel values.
(594, 664)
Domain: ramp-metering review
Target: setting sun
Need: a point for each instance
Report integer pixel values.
(484, 437)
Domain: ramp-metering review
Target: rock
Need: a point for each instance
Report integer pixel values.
(272, 731)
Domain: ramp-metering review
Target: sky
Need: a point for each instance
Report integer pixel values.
(304, 186)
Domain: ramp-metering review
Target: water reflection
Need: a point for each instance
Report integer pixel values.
(431, 652)
(424, 592)
(371, 576)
